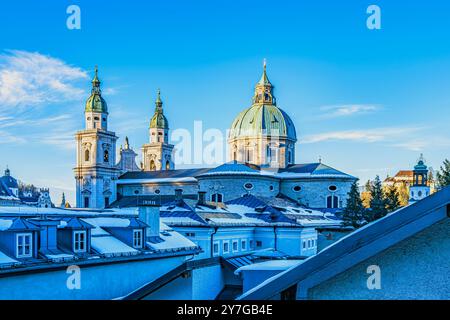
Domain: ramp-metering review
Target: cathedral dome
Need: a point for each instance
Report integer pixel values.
(96, 103)
(263, 118)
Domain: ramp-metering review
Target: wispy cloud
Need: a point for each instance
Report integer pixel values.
(347, 110)
(37, 95)
(29, 79)
(397, 136)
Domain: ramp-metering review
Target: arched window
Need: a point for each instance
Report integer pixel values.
(152, 165)
(217, 197)
(332, 202)
(106, 156)
(86, 155)
(167, 165)
(289, 157)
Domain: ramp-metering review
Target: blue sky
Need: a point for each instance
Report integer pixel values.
(367, 101)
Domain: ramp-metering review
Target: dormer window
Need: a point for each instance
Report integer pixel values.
(24, 245)
(137, 238)
(79, 241)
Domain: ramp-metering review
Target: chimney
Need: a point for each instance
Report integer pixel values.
(178, 194)
(149, 213)
(201, 198)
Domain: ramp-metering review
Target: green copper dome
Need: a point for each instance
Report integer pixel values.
(263, 118)
(159, 121)
(96, 103)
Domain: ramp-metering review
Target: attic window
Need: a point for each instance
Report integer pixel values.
(79, 241)
(137, 238)
(297, 188)
(332, 188)
(24, 247)
(157, 191)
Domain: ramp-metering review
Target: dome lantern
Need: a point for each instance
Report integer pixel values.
(95, 102)
(159, 121)
(264, 89)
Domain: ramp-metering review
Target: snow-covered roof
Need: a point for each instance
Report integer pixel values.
(170, 240)
(248, 210)
(233, 168)
(108, 245)
(270, 265)
(6, 261)
(311, 170)
(23, 210)
(5, 224)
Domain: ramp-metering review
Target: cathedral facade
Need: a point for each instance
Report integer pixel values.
(262, 144)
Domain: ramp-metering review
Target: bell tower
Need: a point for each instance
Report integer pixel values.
(157, 155)
(420, 188)
(96, 171)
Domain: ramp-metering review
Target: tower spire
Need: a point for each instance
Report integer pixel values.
(96, 82)
(264, 89)
(158, 102)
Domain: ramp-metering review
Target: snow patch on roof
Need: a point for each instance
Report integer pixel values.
(271, 265)
(4, 259)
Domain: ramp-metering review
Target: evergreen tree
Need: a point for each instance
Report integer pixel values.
(377, 201)
(392, 199)
(443, 176)
(353, 214)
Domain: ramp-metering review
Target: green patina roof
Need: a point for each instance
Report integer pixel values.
(261, 119)
(96, 103)
(158, 120)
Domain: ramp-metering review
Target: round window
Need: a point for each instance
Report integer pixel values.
(248, 186)
(157, 191)
(271, 188)
(332, 188)
(297, 188)
(136, 191)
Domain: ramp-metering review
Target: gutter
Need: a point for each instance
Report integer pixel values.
(212, 241)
